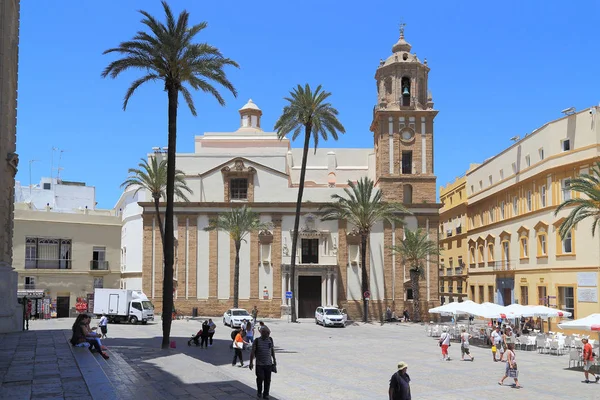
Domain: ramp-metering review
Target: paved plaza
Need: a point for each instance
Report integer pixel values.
(313, 363)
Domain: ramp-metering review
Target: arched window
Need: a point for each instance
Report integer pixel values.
(407, 194)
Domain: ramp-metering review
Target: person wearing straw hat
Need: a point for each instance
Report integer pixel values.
(400, 383)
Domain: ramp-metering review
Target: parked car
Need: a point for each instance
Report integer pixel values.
(234, 317)
(330, 316)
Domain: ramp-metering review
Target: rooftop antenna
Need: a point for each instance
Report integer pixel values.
(52, 163)
(568, 111)
(58, 169)
(30, 162)
(515, 138)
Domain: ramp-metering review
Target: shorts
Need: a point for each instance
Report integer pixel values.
(445, 349)
(464, 350)
(587, 365)
(103, 329)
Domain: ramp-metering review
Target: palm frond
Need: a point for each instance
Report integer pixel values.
(238, 222)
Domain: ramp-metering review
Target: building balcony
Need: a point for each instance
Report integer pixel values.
(458, 271)
(29, 286)
(96, 265)
(39, 263)
(448, 271)
(504, 265)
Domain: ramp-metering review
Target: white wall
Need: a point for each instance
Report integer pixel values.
(202, 258)
(376, 249)
(224, 264)
(133, 283)
(244, 292)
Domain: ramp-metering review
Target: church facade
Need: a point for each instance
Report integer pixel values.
(253, 167)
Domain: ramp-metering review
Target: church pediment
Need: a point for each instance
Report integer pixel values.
(242, 165)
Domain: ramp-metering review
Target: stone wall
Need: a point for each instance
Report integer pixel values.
(9, 53)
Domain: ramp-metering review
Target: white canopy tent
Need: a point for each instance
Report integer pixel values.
(589, 323)
(547, 312)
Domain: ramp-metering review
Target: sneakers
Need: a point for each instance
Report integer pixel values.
(104, 355)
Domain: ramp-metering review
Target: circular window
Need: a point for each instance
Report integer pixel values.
(407, 135)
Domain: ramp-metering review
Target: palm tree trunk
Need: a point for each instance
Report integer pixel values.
(160, 224)
(236, 275)
(168, 237)
(414, 283)
(364, 276)
(307, 132)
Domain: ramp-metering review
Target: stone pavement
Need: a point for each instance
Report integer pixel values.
(313, 362)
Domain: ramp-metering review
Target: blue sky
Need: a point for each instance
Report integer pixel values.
(498, 69)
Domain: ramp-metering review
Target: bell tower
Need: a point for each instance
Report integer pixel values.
(403, 127)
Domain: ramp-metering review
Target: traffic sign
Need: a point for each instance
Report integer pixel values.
(367, 295)
(288, 295)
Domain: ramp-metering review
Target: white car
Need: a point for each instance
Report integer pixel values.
(330, 316)
(234, 317)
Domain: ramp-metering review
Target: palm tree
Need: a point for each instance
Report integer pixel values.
(238, 222)
(166, 53)
(152, 176)
(588, 207)
(363, 207)
(308, 110)
(414, 250)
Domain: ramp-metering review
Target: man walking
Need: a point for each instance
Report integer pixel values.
(496, 338)
(254, 314)
(263, 349)
(400, 384)
(211, 331)
(588, 360)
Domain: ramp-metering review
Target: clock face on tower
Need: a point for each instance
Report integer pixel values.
(407, 135)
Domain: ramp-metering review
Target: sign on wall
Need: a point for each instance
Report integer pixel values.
(588, 279)
(587, 295)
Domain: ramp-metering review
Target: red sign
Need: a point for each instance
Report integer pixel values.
(367, 295)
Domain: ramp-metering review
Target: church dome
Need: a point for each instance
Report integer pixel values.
(250, 106)
(401, 45)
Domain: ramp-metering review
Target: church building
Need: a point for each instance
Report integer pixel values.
(251, 166)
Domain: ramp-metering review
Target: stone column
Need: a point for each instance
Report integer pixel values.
(335, 291)
(329, 291)
(283, 288)
(11, 314)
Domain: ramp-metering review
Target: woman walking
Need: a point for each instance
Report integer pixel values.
(204, 335)
(238, 345)
(445, 343)
(211, 331)
(249, 333)
(511, 367)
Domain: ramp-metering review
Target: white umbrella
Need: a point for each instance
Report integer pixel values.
(547, 312)
(589, 323)
(518, 310)
(453, 308)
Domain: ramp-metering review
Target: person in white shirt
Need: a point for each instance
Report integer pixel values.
(103, 324)
(464, 344)
(444, 344)
(497, 339)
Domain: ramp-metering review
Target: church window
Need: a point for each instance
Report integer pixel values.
(407, 162)
(238, 188)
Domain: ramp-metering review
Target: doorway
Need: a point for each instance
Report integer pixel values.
(62, 307)
(507, 297)
(309, 295)
(310, 251)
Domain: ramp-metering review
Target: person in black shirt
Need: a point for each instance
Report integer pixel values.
(400, 384)
(204, 335)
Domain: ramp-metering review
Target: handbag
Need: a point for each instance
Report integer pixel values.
(274, 368)
(494, 349)
(238, 345)
(513, 373)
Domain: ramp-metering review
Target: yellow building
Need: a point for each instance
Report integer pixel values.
(453, 241)
(515, 254)
(62, 256)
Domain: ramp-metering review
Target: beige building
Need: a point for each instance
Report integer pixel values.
(62, 256)
(453, 241)
(515, 253)
(10, 312)
(252, 166)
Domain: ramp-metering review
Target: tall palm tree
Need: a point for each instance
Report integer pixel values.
(239, 222)
(152, 176)
(414, 250)
(308, 110)
(166, 53)
(585, 207)
(363, 207)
